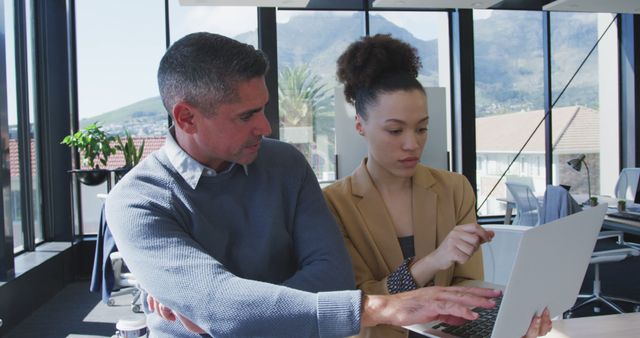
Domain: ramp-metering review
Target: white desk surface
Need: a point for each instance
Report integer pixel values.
(625, 325)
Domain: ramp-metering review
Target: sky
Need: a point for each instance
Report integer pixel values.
(118, 50)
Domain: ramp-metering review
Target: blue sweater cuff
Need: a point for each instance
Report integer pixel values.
(339, 313)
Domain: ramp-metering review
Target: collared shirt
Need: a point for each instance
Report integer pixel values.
(190, 169)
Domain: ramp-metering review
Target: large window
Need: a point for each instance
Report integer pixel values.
(585, 117)
(240, 23)
(12, 114)
(509, 103)
(119, 46)
(428, 32)
(32, 224)
(309, 44)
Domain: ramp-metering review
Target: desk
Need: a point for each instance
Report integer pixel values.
(581, 199)
(626, 325)
(624, 225)
(508, 211)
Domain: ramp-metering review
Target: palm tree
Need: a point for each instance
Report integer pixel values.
(301, 96)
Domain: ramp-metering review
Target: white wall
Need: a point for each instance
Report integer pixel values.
(351, 148)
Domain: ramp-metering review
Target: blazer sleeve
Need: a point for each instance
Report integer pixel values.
(465, 201)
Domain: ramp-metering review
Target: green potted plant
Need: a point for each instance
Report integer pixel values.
(94, 145)
(131, 153)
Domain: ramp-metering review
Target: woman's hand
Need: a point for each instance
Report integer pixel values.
(168, 314)
(540, 325)
(459, 245)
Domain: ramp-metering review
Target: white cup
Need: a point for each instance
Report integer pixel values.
(132, 328)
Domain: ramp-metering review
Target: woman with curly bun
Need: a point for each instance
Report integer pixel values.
(405, 225)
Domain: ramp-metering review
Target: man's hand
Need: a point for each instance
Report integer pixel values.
(449, 304)
(169, 314)
(540, 325)
(459, 245)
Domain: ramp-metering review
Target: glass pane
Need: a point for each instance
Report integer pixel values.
(308, 65)
(428, 32)
(117, 65)
(240, 23)
(509, 104)
(585, 117)
(36, 199)
(12, 112)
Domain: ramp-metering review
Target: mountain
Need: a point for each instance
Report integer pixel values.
(508, 54)
(146, 117)
(509, 65)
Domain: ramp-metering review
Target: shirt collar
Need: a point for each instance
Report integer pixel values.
(190, 169)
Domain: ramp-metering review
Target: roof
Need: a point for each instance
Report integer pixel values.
(576, 129)
(151, 144)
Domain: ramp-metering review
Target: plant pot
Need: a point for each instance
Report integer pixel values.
(91, 177)
(120, 172)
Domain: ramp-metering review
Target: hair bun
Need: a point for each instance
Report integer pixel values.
(368, 59)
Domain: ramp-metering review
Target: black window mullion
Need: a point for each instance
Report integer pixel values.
(24, 125)
(6, 236)
(268, 43)
(548, 131)
(463, 94)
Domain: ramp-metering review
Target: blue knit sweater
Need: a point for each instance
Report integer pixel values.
(240, 253)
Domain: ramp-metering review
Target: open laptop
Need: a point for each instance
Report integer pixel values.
(548, 271)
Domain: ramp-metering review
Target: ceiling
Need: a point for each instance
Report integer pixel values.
(594, 6)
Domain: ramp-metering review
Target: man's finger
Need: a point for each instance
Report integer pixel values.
(451, 320)
(166, 313)
(189, 325)
(476, 291)
(152, 303)
(455, 309)
(467, 300)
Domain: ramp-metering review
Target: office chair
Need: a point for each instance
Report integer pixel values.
(627, 183)
(124, 283)
(607, 256)
(559, 203)
(528, 209)
(110, 277)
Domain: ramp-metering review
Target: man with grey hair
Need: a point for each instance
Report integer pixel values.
(230, 230)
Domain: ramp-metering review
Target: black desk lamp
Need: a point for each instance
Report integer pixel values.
(576, 164)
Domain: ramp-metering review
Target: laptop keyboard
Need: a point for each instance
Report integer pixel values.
(479, 328)
(626, 215)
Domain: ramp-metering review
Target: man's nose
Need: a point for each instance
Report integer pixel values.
(263, 127)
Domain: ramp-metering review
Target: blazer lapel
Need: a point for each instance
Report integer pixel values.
(425, 206)
(425, 216)
(376, 218)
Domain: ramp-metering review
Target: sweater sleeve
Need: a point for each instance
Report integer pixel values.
(324, 264)
(172, 266)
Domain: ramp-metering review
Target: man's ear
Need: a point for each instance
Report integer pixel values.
(184, 117)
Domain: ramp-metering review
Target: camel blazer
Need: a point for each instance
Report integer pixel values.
(441, 200)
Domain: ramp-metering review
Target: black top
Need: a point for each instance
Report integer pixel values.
(406, 244)
(408, 250)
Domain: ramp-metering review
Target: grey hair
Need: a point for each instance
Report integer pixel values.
(203, 69)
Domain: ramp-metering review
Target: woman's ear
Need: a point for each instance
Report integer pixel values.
(184, 117)
(359, 126)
